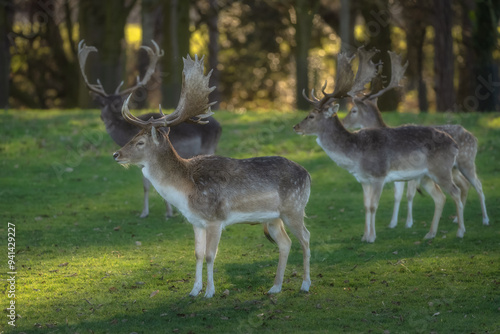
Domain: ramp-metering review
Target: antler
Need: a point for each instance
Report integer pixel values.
(367, 70)
(397, 73)
(153, 59)
(346, 84)
(83, 52)
(193, 104)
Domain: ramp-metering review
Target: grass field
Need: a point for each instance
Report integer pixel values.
(86, 262)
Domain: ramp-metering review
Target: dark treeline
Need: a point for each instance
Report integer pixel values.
(263, 52)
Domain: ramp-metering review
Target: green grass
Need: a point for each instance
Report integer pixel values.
(86, 263)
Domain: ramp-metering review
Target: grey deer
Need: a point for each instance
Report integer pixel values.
(366, 114)
(213, 192)
(189, 139)
(377, 156)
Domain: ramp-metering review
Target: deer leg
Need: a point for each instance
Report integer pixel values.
(439, 199)
(464, 186)
(213, 233)
(145, 210)
(371, 196)
(447, 184)
(298, 229)
(398, 194)
(470, 174)
(278, 234)
(169, 212)
(199, 251)
(410, 195)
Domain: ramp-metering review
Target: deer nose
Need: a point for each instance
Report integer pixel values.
(116, 155)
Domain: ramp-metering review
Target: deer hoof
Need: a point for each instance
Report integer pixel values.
(275, 289)
(460, 233)
(393, 224)
(305, 286)
(209, 293)
(486, 221)
(195, 292)
(430, 235)
(409, 224)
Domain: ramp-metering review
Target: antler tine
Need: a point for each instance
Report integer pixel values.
(193, 103)
(397, 73)
(154, 55)
(83, 52)
(127, 115)
(367, 70)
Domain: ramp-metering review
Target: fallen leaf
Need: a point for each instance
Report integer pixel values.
(63, 264)
(435, 314)
(138, 243)
(154, 293)
(117, 228)
(395, 252)
(113, 289)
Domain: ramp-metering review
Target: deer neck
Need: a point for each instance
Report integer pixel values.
(117, 128)
(168, 173)
(338, 143)
(377, 121)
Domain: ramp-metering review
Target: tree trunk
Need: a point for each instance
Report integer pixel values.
(151, 28)
(303, 26)
(415, 37)
(213, 52)
(6, 17)
(443, 56)
(176, 44)
(487, 81)
(466, 69)
(377, 18)
(102, 24)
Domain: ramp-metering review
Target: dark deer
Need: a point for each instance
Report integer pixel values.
(189, 139)
(381, 155)
(366, 114)
(213, 192)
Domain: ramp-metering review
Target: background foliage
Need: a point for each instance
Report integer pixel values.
(264, 52)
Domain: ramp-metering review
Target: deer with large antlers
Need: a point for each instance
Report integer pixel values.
(366, 114)
(189, 139)
(377, 156)
(213, 192)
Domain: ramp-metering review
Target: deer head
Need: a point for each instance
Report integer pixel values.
(346, 85)
(111, 104)
(193, 106)
(365, 112)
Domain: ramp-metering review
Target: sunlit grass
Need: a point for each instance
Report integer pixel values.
(87, 263)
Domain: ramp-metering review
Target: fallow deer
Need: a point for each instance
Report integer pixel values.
(189, 139)
(213, 192)
(365, 114)
(377, 156)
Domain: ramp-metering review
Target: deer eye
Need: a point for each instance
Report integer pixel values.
(140, 143)
(354, 110)
(310, 116)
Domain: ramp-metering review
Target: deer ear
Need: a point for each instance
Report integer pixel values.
(154, 136)
(332, 110)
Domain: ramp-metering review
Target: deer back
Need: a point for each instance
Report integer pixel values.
(226, 189)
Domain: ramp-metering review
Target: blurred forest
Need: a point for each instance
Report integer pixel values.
(263, 52)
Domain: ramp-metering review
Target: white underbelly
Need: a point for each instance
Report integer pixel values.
(250, 217)
(405, 175)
